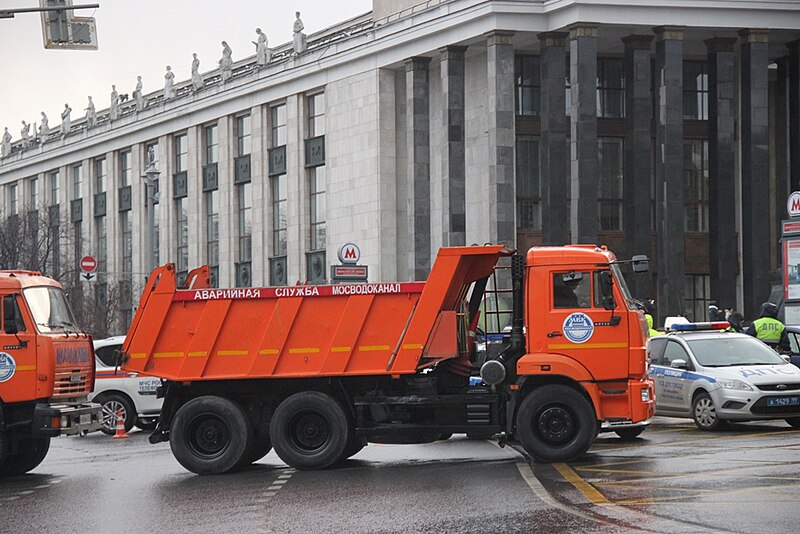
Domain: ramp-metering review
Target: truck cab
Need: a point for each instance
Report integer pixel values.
(46, 370)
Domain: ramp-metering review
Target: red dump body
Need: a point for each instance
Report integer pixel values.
(304, 331)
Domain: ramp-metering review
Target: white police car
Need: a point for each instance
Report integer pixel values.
(118, 390)
(714, 377)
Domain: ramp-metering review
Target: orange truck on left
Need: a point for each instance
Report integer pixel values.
(47, 369)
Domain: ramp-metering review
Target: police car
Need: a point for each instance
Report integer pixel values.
(715, 377)
(119, 391)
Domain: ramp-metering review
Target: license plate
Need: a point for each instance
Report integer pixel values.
(783, 401)
(85, 419)
(149, 386)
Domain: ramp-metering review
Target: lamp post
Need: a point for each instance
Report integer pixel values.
(150, 176)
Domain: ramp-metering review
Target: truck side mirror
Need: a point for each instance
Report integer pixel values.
(607, 290)
(640, 263)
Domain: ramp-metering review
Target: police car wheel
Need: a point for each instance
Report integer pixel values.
(794, 421)
(705, 414)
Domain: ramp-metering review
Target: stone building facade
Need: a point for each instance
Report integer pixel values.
(659, 127)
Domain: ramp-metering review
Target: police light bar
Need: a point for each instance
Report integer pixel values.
(694, 327)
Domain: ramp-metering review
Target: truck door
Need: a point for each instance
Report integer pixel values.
(578, 326)
(17, 353)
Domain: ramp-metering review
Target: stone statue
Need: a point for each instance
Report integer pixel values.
(6, 146)
(263, 53)
(137, 93)
(226, 63)
(113, 111)
(25, 134)
(44, 129)
(169, 91)
(197, 79)
(299, 38)
(91, 114)
(65, 120)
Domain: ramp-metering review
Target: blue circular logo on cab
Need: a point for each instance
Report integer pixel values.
(578, 327)
(7, 366)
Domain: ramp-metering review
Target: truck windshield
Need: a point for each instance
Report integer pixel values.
(620, 281)
(49, 309)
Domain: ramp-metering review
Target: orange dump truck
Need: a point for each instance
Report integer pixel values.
(318, 371)
(46, 371)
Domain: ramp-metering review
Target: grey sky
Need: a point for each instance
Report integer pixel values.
(140, 37)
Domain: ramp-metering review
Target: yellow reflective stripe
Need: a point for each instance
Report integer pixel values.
(341, 349)
(412, 345)
(373, 348)
(26, 368)
(232, 352)
(138, 356)
(309, 350)
(589, 346)
(199, 353)
(167, 355)
(268, 351)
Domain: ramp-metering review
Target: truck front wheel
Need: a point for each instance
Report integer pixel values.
(555, 423)
(30, 454)
(209, 435)
(309, 430)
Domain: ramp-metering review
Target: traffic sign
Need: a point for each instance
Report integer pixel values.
(88, 264)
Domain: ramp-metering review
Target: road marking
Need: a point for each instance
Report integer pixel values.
(588, 491)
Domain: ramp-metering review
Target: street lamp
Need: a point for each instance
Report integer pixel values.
(150, 176)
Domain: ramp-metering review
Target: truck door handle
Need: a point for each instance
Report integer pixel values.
(554, 334)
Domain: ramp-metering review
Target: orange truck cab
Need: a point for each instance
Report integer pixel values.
(317, 372)
(46, 371)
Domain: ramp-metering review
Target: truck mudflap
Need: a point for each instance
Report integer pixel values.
(66, 418)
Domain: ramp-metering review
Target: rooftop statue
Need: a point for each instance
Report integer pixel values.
(137, 94)
(91, 114)
(169, 77)
(65, 120)
(44, 129)
(299, 38)
(25, 134)
(113, 111)
(197, 78)
(226, 62)
(5, 148)
(263, 53)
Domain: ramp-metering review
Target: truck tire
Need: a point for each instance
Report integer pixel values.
(209, 435)
(556, 423)
(257, 448)
(629, 434)
(112, 403)
(310, 430)
(30, 454)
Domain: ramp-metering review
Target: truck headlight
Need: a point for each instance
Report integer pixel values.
(735, 384)
(646, 395)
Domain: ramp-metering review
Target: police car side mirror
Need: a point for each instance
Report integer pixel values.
(786, 358)
(640, 263)
(678, 364)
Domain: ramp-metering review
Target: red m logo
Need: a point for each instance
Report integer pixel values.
(350, 253)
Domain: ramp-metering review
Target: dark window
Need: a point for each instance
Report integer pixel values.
(674, 352)
(610, 199)
(12, 316)
(695, 90)
(108, 355)
(528, 85)
(572, 294)
(695, 184)
(610, 88)
(529, 193)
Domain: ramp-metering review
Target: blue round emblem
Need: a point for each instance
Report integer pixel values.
(578, 327)
(7, 366)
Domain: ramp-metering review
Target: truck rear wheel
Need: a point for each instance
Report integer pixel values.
(30, 454)
(555, 423)
(310, 430)
(209, 435)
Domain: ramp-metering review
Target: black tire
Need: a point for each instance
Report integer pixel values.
(30, 454)
(629, 434)
(705, 414)
(355, 446)
(148, 424)
(209, 435)
(310, 430)
(113, 402)
(556, 423)
(794, 421)
(257, 448)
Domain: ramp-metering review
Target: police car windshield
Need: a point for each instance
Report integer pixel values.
(730, 351)
(50, 309)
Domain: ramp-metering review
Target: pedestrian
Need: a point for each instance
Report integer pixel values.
(652, 331)
(713, 312)
(769, 329)
(736, 321)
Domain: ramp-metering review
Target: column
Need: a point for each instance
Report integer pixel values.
(669, 170)
(755, 169)
(793, 71)
(419, 161)
(638, 167)
(781, 142)
(583, 133)
(454, 208)
(500, 70)
(553, 140)
(723, 242)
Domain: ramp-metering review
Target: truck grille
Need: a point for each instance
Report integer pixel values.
(73, 383)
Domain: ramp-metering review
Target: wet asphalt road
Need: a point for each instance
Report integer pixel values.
(672, 479)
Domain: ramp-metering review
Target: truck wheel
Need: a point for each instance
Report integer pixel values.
(628, 434)
(309, 430)
(112, 403)
(705, 414)
(31, 453)
(556, 423)
(257, 448)
(147, 424)
(209, 435)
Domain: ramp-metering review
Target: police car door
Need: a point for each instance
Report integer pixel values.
(672, 384)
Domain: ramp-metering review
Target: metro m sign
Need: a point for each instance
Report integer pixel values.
(349, 253)
(793, 204)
